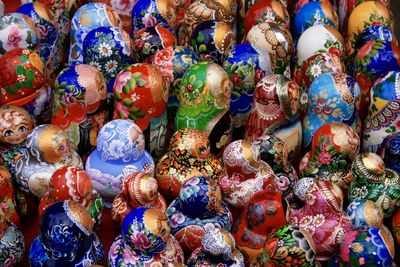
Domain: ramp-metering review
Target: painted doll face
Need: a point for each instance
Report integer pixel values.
(157, 223)
(15, 125)
(61, 145)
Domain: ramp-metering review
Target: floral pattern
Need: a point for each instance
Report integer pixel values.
(12, 246)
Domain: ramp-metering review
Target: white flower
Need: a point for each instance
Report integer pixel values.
(95, 64)
(135, 97)
(111, 66)
(316, 70)
(151, 110)
(304, 98)
(105, 50)
(21, 78)
(116, 149)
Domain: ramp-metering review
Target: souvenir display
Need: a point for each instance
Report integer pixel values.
(141, 95)
(367, 67)
(334, 147)
(275, 111)
(73, 183)
(203, 10)
(245, 174)
(79, 104)
(47, 149)
(149, 13)
(89, 17)
(12, 243)
(290, 246)
(109, 49)
(119, 152)
(145, 240)
(66, 238)
(314, 13)
(18, 31)
(372, 181)
(333, 97)
(264, 212)
(189, 224)
(319, 39)
(138, 189)
(15, 125)
(7, 198)
(365, 212)
(48, 37)
(357, 245)
(23, 83)
(390, 153)
(273, 152)
(213, 40)
(204, 103)
(173, 62)
(148, 41)
(188, 155)
(275, 40)
(363, 16)
(384, 112)
(217, 249)
(245, 65)
(266, 11)
(323, 217)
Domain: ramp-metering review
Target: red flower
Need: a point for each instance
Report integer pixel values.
(335, 51)
(365, 49)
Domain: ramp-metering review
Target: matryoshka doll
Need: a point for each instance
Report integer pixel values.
(138, 190)
(120, 152)
(47, 149)
(73, 183)
(89, 17)
(333, 97)
(12, 243)
(109, 49)
(245, 65)
(273, 152)
(276, 111)
(289, 245)
(373, 181)
(275, 40)
(23, 83)
(146, 240)
(18, 31)
(15, 125)
(367, 246)
(141, 95)
(203, 10)
(264, 212)
(149, 13)
(384, 111)
(204, 103)
(245, 174)
(49, 38)
(197, 210)
(66, 238)
(148, 41)
(218, 248)
(79, 105)
(364, 212)
(7, 197)
(173, 62)
(323, 217)
(213, 40)
(334, 147)
(188, 155)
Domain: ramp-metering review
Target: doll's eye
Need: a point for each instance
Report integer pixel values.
(8, 133)
(62, 148)
(203, 149)
(22, 129)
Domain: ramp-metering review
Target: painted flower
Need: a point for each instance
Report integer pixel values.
(225, 183)
(335, 51)
(282, 183)
(365, 49)
(95, 64)
(116, 148)
(21, 78)
(129, 256)
(318, 220)
(14, 37)
(111, 66)
(177, 219)
(325, 157)
(140, 241)
(306, 221)
(121, 111)
(135, 97)
(105, 50)
(10, 261)
(259, 74)
(149, 20)
(123, 7)
(316, 70)
(304, 98)
(114, 249)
